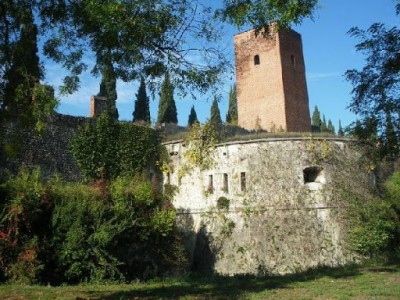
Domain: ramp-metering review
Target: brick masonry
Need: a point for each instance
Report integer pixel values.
(271, 93)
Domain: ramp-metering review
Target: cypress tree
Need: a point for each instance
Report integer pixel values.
(316, 118)
(331, 128)
(340, 130)
(167, 109)
(142, 107)
(25, 71)
(215, 115)
(108, 88)
(232, 115)
(324, 127)
(192, 117)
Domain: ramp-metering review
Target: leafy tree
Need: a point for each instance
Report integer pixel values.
(167, 109)
(142, 108)
(215, 115)
(376, 86)
(232, 115)
(316, 118)
(192, 117)
(108, 89)
(137, 37)
(260, 13)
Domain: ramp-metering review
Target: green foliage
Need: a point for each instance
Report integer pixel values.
(232, 115)
(215, 115)
(70, 232)
(261, 13)
(376, 85)
(107, 149)
(223, 203)
(376, 221)
(23, 227)
(142, 108)
(95, 148)
(192, 117)
(316, 118)
(340, 130)
(201, 142)
(108, 88)
(167, 109)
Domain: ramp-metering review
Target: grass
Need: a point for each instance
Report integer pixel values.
(374, 280)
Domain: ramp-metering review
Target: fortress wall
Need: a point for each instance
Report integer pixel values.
(285, 219)
(49, 151)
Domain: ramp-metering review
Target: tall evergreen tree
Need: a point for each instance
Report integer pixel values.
(24, 72)
(316, 118)
(167, 109)
(340, 130)
(215, 115)
(232, 115)
(324, 126)
(142, 106)
(192, 117)
(331, 128)
(108, 88)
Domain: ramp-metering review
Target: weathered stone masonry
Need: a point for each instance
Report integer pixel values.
(49, 151)
(286, 204)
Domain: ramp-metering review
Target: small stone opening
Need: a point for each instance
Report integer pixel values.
(313, 174)
(225, 187)
(293, 60)
(210, 184)
(256, 60)
(243, 181)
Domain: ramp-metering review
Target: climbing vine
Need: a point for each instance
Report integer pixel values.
(107, 149)
(201, 142)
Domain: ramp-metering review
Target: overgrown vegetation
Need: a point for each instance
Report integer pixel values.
(105, 149)
(59, 232)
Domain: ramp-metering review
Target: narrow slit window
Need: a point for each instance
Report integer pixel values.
(210, 184)
(243, 181)
(293, 60)
(256, 60)
(168, 178)
(225, 187)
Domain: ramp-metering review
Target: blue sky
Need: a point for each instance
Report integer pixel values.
(328, 52)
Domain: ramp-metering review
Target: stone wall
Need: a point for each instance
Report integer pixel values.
(49, 151)
(286, 204)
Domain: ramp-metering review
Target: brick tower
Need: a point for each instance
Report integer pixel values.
(271, 82)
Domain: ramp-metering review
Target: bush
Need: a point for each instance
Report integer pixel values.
(69, 232)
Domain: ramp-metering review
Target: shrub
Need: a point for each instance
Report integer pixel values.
(70, 232)
(223, 203)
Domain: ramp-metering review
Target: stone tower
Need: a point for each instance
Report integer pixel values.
(271, 83)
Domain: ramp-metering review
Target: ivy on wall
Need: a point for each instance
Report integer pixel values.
(107, 149)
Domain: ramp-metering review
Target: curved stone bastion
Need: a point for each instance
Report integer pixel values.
(270, 206)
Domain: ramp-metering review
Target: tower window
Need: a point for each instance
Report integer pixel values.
(243, 181)
(225, 187)
(256, 59)
(293, 60)
(210, 184)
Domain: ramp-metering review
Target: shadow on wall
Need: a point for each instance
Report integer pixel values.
(197, 243)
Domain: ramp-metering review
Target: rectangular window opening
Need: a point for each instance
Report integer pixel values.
(210, 184)
(243, 181)
(226, 188)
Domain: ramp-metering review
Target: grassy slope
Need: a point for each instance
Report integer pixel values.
(370, 281)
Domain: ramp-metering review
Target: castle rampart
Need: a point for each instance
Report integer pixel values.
(269, 206)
